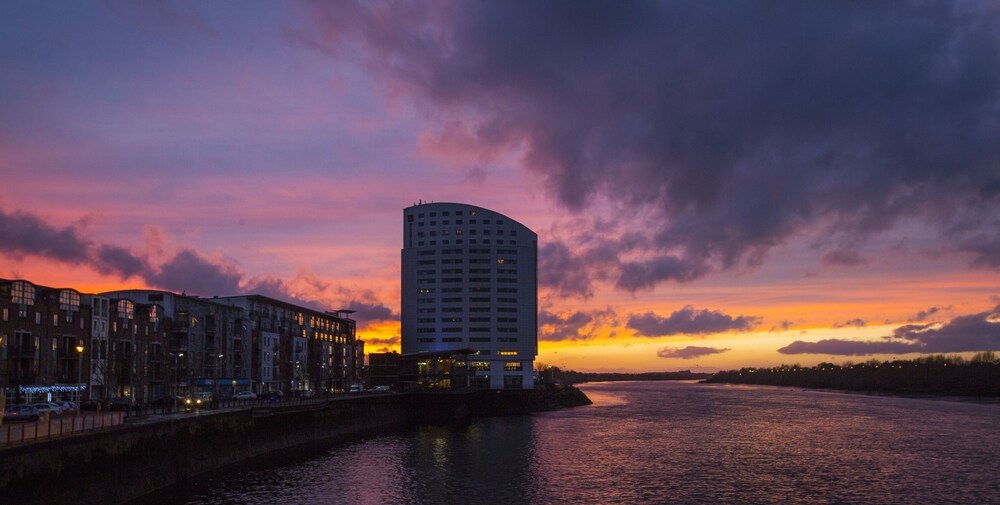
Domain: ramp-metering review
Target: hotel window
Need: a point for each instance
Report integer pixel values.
(452, 339)
(507, 353)
(479, 309)
(426, 340)
(451, 300)
(508, 340)
(6, 314)
(55, 319)
(480, 339)
(451, 309)
(450, 330)
(507, 309)
(425, 320)
(512, 366)
(38, 318)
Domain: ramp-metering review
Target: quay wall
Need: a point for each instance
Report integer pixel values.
(124, 463)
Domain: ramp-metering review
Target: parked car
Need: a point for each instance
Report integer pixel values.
(245, 395)
(380, 389)
(169, 401)
(355, 388)
(21, 413)
(92, 405)
(307, 394)
(46, 407)
(67, 407)
(120, 403)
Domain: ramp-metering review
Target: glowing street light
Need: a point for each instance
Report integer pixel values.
(79, 366)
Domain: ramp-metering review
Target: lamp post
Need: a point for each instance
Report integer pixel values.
(215, 380)
(79, 368)
(177, 373)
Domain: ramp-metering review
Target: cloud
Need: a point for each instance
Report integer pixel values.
(118, 260)
(378, 341)
(844, 258)
(26, 234)
(371, 312)
(563, 272)
(574, 325)
(689, 321)
(924, 314)
(857, 323)
(689, 352)
(976, 332)
(195, 274)
(843, 120)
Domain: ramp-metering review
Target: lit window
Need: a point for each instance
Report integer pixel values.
(506, 353)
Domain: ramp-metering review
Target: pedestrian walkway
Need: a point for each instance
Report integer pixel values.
(14, 433)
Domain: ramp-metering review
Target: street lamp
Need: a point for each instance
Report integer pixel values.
(215, 380)
(79, 367)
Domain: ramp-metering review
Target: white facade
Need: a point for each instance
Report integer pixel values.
(469, 281)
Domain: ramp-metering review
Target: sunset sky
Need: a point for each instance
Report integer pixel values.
(714, 185)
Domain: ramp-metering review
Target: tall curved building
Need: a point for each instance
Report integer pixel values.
(469, 281)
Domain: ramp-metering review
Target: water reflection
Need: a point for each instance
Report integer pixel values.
(657, 443)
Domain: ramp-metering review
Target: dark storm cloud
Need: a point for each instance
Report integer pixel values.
(194, 274)
(737, 125)
(976, 332)
(371, 311)
(563, 272)
(689, 321)
(689, 352)
(118, 260)
(25, 234)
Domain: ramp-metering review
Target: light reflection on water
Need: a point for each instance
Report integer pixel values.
(657, 442)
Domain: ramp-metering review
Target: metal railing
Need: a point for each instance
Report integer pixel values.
(12, 433)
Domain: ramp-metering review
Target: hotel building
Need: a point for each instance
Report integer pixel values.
(469, 282)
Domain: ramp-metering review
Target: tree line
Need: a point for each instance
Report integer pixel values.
(932, 375)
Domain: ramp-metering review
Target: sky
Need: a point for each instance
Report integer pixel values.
(714, 185)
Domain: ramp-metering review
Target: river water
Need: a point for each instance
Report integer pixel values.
(656, 442)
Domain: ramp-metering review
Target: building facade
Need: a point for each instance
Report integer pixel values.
(296, 348)
(41, 330)
(204, 348)
(469, 281)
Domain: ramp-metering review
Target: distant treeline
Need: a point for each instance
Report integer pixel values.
(931, 375)
(556, 375)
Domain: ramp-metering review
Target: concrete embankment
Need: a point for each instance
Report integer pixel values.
(121, 464)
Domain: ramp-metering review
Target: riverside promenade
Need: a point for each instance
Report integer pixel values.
(146, 453)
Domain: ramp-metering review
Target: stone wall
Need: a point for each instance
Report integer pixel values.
(121, 464)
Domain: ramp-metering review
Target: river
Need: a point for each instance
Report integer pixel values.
(654, 442)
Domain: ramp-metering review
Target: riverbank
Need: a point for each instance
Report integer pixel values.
(124, 463)
(931, 376)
